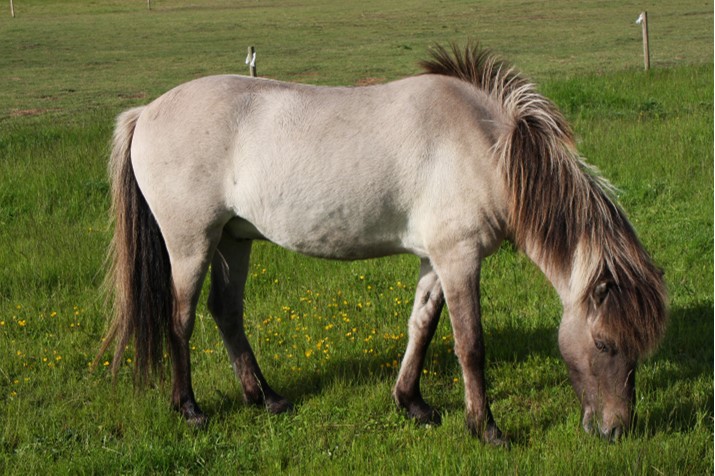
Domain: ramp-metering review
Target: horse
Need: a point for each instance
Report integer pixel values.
(444, 165)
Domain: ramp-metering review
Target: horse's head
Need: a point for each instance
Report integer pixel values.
(601, 366)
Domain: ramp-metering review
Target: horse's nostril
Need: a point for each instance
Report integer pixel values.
(614, 434)
(588, 420)
(588, 426)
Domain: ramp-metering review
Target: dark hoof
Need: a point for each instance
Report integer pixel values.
(418, 410)
(197, 421)
(272, 402)
(280, 405)
(491, 435)
(424, 415)
(193, 415)
(499, 441)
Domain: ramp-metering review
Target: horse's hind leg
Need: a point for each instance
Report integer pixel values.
(428, 304)
(188, 272)
(228, 277)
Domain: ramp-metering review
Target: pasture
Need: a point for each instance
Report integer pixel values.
(328, 335)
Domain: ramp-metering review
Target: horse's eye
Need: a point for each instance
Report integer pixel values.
(602, 346)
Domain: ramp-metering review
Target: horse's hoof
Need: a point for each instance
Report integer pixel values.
(498, 442)
(192, 414)
(490, 435)
(494, 437)
(197, 421)
(425, 415)
(417, 409)
(281, 405)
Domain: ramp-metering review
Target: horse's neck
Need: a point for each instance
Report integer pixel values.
(561, 279)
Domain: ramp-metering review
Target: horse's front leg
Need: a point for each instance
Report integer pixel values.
(458, 271)
(428, 304)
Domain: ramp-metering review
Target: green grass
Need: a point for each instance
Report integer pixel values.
(328, 334)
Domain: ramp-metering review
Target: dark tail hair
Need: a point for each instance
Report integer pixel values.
(139, 276)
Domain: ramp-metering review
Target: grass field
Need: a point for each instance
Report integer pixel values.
(330, 335)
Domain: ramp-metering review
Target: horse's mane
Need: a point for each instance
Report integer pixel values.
(560, 208)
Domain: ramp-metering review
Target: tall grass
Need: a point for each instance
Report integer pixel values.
(330, 335)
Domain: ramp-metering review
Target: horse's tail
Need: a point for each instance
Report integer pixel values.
(139, 276)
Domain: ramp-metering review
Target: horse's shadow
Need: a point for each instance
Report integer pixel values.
(686, 354)
(440, 360)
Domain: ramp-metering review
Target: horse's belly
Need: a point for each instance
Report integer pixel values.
(341, 242)
(332, 230)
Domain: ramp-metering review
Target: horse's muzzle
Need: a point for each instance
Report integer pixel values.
(611, 433)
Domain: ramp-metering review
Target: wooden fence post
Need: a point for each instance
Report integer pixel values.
(643, 21)
(251, 61)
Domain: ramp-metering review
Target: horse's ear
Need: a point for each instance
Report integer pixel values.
(600, 292)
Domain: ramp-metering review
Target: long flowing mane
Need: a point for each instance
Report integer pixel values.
(560, 208)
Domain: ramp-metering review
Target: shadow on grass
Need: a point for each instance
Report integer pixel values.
(505, 344)
(686, 355)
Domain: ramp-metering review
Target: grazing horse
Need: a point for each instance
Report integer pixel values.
(444, 165)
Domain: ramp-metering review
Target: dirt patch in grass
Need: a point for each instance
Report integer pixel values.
(32, 112)
(369, 81)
